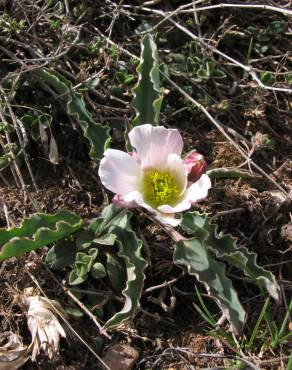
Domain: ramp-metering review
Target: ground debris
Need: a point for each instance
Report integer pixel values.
(12, 354)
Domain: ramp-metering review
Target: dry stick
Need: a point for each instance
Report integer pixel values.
(6, 182)
(195, 10)
(21, 142)
(163, 285)
(240, 6)
(14, 169)
(201, 355)
(67, 322)
(5, 210)
(246, 68)
(67, 7)
(113, 21)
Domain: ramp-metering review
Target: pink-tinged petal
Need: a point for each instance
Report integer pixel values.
(119, 201)
(197, 191)
(177, 168)
(196, 166)
(119, 172)
(153, 144)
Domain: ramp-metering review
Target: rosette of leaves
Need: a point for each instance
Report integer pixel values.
(106, 248)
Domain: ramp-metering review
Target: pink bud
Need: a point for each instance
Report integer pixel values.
(196, 166)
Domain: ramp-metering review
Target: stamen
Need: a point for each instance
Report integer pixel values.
(160, 188)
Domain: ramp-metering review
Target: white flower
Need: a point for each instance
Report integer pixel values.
(154, 176)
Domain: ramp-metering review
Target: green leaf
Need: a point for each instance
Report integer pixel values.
(267, 78)
(147, 96)
(37, 231)
(193, 254)
(84, 239)
(98, 271)
(75, 278)
(111, 217)
(74, 312)
(106, 239)
(130, 251)
(231, 173)
(83, 265)
(61, 255)
(129, 80)
(276, 27)
(224, 247)
(97, 134)
(33, 122)
(289, 79)
(116, 271)
(121, 76)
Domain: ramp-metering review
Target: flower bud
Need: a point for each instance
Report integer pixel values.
(196, 165)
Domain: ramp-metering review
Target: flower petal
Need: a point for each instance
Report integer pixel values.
(165, 218)
(178, 170)
(183, 204)
(137, 197)
(197, 191)
(154, 144)
(119, 172)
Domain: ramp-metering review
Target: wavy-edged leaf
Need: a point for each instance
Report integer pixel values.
(147, 96)
(231, 173)
(194, 255)
(224, 247)
(130, 251)
(37, 231)
(97, 134)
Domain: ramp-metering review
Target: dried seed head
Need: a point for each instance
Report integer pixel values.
(44, 325)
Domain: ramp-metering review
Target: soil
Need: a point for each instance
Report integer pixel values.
(168, 331)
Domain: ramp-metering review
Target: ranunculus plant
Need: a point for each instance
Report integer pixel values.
(154, 176)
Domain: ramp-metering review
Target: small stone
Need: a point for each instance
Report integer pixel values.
(121, 356)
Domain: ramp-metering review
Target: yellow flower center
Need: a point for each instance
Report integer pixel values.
(160, 188)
